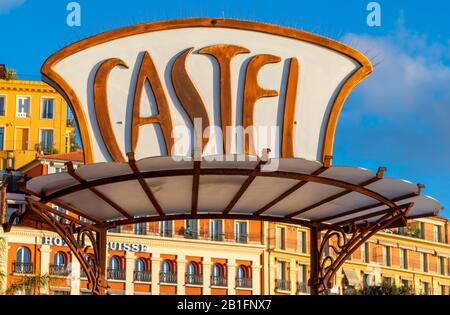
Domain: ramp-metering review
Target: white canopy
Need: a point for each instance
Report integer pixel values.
(281, 189)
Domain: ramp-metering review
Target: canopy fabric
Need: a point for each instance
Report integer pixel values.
(351, 276)
(284, 188)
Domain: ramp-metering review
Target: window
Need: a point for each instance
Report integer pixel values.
(218, 276)
(403, 258)
(405, 283)
(2, 138)
(387, 256)
(280, 238)
(46, 140)
(115, 271)
(47, 106)
(301, 241)
(23, 261)
(61, 292)
(302, 285)
(140, 271)
(441, 265)
(167, 274)
(243, 278)
(2, 105)
(23, 106)
(193, 275)
(365, 252)
(216, 230)
(59, 259)
(421, 229)
(424, 262)
(424, 288)
(191, 229)
(114, 263)
(282, 282)
(166, 228)
(442, 289)
(387, 280)
(241, 232)
(59, 267)
(437, 233)
(140, 228)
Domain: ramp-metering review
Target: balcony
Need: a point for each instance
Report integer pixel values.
(282, 284)
(196, 279)
(116, 274)
(219, 281)
(241, 238)
(22, 115)
(167, 277)
(143, 276)
(217, 237)
(165, 233)
(244, 283)
(59, 270)
(302, 287)
(24, 268)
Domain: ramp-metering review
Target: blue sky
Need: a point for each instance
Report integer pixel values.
(398, 118)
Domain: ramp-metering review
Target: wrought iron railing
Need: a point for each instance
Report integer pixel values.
(241, 238)
(166, 233)
(243, 282)
(194, 279)
(218, 237)
(143, 276)
(302, 287)
(283, 284)
(219, 281)
(59, 270)
(167, 277)
(25, 268)
(116, 274)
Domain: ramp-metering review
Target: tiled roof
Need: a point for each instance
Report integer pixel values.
(72, 156)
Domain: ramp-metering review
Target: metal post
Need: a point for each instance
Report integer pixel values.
(314, 260)
(101, 245)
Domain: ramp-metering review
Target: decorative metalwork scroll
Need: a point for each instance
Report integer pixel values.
(76, 233)
(348, 238)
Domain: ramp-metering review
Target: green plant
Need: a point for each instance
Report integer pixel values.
(30, 283)
(10, 74)
(383, 289)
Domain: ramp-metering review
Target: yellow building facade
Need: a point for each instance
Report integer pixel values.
(33, 121)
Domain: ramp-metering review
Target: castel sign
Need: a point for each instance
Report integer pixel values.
(222, 86)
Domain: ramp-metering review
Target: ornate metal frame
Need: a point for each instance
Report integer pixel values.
(75, 233)
(347, 239)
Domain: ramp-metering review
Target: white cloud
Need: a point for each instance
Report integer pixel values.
(8, 5)
(402, 111)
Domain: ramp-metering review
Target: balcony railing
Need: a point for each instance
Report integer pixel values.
(218, 237)
(302, 287)
(25, 268)
(194, 279)
(165, 233)
(167, 277)
(116, 274)
(282, 284)
(243, 282)
(59, 270)
(219, 281)
(143, 276)
(201, 234)
(241, 238)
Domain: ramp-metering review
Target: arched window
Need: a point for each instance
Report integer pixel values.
(217, 276)
(217, 270)
(241, 272)
(141, 265)
(59, 259)
(114, 263)
(192, 269)
(23, 255)
(166, 266)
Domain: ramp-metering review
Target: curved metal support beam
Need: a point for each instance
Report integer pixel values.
(75, 233)
(347, 239)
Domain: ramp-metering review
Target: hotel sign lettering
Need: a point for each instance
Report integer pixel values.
(129, 247)
(218, 86)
